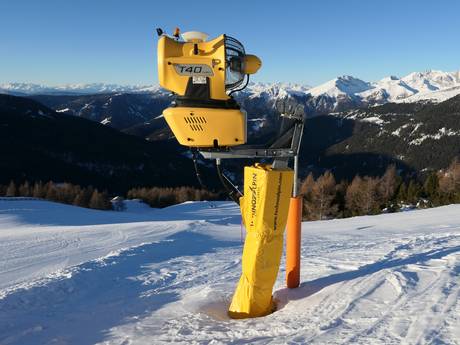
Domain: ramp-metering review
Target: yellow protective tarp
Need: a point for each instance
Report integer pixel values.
(264, 209)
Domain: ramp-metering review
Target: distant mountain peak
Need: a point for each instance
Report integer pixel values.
(343, 85)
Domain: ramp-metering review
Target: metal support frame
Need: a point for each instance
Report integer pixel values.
(295, 189)
(257, 151)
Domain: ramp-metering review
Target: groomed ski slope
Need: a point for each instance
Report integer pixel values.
(70, 275)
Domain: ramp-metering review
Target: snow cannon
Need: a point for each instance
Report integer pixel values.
(203, 75)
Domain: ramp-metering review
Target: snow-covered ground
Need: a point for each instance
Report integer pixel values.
(145, 276)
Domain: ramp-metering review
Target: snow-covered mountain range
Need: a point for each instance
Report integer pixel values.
(418, 86)
(73, 89)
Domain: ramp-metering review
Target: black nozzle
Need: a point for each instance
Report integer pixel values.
(159, 31)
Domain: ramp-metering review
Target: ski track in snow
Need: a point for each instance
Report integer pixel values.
(144, 276)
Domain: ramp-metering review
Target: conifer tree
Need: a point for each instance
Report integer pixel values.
(387, 185)
(431, 188)
(352, 197)
(323, 193)
(51, 193)
(370, 195)
(413, 192)
(38, 190)
(340, 197)
(11, 190)
(307, 185)
(96, 200)
(80, 199)
(401, 195)
(24, 189)
(362, 196)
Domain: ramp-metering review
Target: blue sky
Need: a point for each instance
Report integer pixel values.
(53, 42)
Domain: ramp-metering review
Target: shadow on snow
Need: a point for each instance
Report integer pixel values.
(309, 288)
(99, 295)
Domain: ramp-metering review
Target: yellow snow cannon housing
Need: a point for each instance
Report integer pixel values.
(202, 75)
(264, 209)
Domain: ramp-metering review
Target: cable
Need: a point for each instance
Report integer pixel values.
(232, 191)
(197, 170)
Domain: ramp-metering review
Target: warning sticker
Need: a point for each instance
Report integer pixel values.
(198, 80)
